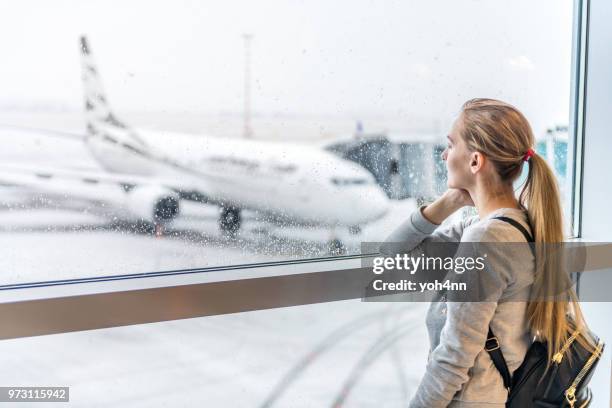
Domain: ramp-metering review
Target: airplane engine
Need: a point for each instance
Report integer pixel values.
(153, 204)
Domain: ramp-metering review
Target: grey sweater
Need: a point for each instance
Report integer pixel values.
(460, 373)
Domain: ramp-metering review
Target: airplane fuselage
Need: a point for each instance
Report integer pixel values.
(287, 180)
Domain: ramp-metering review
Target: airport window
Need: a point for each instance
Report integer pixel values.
(249, 136)
(241, 133)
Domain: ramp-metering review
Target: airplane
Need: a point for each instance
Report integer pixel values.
(151, 172)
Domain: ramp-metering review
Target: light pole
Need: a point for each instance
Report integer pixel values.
(248, 132)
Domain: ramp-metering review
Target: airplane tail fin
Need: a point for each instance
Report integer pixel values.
(100, 118)
(97, 108)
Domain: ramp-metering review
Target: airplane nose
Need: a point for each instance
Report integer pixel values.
(375, 205)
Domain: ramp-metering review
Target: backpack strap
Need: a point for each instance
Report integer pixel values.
(492, 347)
(517, 225)
(492, 344)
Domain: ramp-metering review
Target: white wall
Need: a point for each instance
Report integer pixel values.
(597, 186)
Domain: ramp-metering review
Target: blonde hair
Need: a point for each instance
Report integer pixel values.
(500, 132)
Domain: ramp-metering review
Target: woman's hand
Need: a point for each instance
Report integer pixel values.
(452, 200)
(458, 197)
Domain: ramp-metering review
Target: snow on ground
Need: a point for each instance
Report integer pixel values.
(41, 244)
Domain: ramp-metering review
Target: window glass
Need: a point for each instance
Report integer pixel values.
(163, 135)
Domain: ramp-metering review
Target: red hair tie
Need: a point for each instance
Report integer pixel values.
(527, 155)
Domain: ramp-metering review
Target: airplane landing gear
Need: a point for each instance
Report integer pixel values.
(229, 221)
(354, 230)
(336, 247)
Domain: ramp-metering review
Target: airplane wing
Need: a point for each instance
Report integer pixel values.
(70, 180)
(115, 196)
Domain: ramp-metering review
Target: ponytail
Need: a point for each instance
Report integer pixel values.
(553, 312)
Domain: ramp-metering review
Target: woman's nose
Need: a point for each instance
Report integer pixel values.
(444, 154)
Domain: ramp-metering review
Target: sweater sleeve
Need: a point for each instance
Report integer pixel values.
(464, 333)
(418, 229)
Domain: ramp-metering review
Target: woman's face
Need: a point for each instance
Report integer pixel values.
(457, 158)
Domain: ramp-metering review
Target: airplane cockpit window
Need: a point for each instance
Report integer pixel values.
(237, 135)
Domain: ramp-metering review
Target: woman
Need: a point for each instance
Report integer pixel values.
(487, 147)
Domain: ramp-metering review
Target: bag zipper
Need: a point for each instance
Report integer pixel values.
(570, 393)
(558, 358)
(559, 355)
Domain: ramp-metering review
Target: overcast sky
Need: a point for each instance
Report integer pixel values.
(354, 57)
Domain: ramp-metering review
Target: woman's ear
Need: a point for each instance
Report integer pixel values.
(476, 162)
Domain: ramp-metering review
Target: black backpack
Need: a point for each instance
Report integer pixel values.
(563, 384)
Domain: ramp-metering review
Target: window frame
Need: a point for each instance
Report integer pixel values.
(576, 127)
